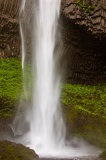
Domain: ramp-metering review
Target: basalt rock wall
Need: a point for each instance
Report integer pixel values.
(91, 14)
(9, 28)
(83, 26)
(84, 36)
(84, 56)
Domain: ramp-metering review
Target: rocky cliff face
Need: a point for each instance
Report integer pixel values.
(9, 28)
(83, 25)
(84, 36)
(90, 14)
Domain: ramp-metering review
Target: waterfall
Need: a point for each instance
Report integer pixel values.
(47, 127)
(40, 124)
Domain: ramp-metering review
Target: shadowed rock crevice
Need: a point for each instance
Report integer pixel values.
(84, 54)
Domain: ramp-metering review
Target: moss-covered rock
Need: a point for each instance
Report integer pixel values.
(83, 124)
(103, 155)
(13, 151)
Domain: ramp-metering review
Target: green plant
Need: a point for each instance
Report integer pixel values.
(10, 85)
(11, 88)
(84, 6)
(88, 98)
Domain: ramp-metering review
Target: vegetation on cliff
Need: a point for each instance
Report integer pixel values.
(87, 7)
(91, 99)
(10, 85)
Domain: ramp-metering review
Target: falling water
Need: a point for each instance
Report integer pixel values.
(47, 128)
(46, 133)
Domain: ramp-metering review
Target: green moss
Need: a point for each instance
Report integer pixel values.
(91, 99)
(10, 85)
(83, 124)
(84, 109)
(10, 78)
(84, 6)
(12, 151)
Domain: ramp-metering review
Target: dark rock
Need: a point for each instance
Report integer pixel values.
(103, 155)
(84, 35)
(84, 55)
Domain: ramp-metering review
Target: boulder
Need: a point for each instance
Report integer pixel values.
(13, 151)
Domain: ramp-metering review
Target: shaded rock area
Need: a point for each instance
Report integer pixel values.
(84, 56)
(13, 151)
(10, 35)
(84, 36)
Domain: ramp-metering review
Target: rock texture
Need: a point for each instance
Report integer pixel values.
(84, 36)
(87, 13)
(9, 28)
(83, 25)
(84, 56)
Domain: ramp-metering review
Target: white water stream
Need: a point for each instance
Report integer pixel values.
(47, 130)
